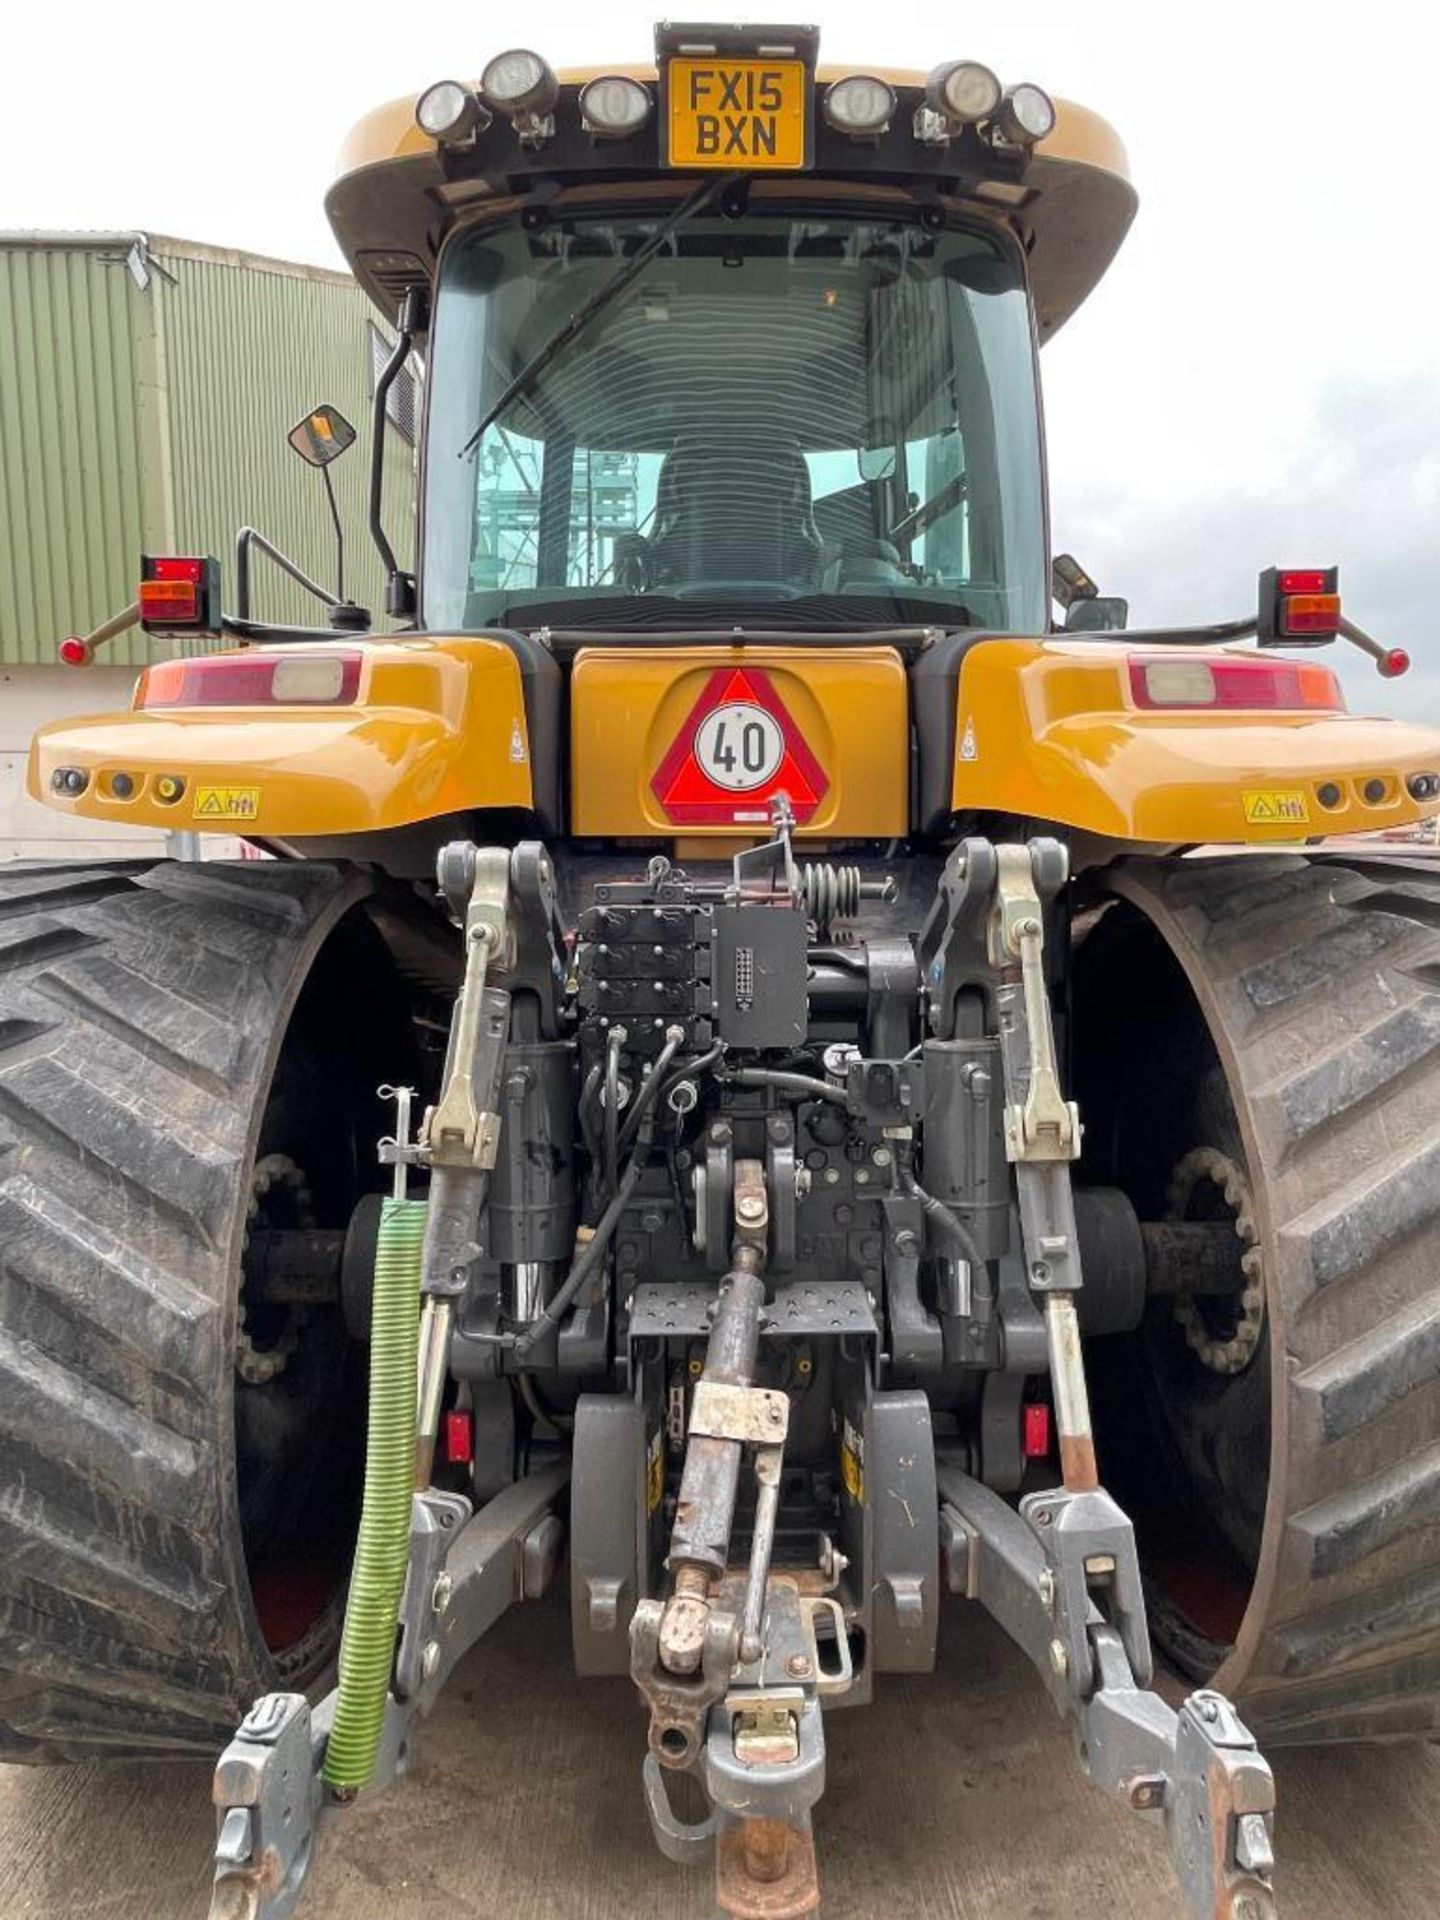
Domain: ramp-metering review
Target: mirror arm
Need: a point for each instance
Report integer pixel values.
(249, 537)
(399, 591)
(339, 536)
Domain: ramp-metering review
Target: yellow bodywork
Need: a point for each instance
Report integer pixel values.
(1044, 729)
(1048, 730)
(629, 707)
(438, 727)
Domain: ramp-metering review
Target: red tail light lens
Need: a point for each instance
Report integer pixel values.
(179, 594)
(253, 680)
(1234, 684)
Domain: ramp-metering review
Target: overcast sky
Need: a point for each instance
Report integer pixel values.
(1257, 381)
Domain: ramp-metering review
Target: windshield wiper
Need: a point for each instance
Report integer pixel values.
(602, 297)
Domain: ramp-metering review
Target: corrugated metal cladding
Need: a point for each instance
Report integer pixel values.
(154, 418)
(71, 511)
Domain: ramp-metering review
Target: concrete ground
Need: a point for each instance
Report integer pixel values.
(954, 1797)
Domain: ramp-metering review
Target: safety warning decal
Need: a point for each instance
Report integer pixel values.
(737, 748)
(226, 803)
(1284, 807)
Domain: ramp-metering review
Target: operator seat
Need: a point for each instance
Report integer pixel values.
(730, 507)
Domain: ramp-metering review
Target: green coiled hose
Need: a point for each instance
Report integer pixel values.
(377, 1581)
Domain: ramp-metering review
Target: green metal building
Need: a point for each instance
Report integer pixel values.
(146, 389)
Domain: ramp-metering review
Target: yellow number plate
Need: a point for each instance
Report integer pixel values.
(743, 114)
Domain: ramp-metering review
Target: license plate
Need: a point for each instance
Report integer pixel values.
(744, 114)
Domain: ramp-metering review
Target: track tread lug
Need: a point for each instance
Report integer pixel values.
(139, 1006)
(1320, 975)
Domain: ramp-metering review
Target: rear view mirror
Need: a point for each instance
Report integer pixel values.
(1101, 613)
(322, 436)
(877, 463)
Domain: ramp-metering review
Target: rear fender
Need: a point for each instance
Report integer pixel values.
(437, 727)
(1048, 730)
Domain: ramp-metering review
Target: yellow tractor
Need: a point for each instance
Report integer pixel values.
(883, 1088)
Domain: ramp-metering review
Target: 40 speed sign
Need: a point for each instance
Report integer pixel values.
(737, 748)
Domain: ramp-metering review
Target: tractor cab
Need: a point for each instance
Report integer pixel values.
(767, 365)
(793, 416)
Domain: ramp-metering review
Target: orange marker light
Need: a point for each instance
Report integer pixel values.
(174, 600)
(1309, 613)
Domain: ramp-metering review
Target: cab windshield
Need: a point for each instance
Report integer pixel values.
(780, 421)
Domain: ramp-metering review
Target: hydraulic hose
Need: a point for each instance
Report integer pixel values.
(803, 1085)
(946, 1225)
(651, 1085)
(593, 1252)
(382, 1551)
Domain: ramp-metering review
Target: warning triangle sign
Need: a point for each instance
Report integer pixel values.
(736, 749)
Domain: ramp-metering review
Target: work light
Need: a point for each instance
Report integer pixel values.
(520, 84)
(449, 112)
(963, 91)
(613, 106)
(859, 104)
(1027, 114)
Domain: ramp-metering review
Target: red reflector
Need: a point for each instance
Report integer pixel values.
(75, 653)
(1305, 580)
(1310, 613)
(168, 567)
(1035, 1435)
(310, 679)
(1234, 682)
(459, 1438)
(1392, 665)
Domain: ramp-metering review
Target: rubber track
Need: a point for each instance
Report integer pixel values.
(141, 1009)
(1320, 979)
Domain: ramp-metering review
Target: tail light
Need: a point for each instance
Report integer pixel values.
(253, 680)
(1234, 684)
(179, 595)
(1299, 606)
